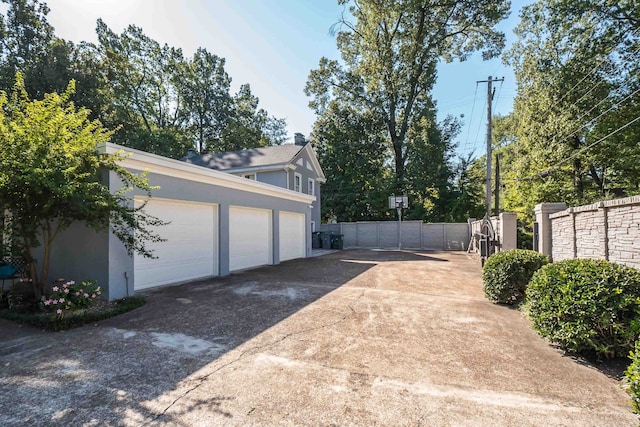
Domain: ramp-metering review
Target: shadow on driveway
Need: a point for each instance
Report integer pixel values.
(357, 337)
(106, 372)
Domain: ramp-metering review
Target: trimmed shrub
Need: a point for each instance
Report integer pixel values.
(586, 305)
(633, 378)
(507, 274)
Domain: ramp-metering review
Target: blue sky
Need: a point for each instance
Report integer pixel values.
(273, 44)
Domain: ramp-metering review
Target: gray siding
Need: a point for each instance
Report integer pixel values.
(307, 173)
(80, 253)
(277, 178)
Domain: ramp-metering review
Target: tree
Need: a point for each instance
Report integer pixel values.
(51, 176)
(572, 133)
(25, 39)
(389, 56)
(349, 145)
(250, 126)
(146, 105)
(467, 198)
(429, 169)
(204, 85)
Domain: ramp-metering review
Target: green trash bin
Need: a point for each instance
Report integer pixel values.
(325, 240)
(315, 240)
(337, 241)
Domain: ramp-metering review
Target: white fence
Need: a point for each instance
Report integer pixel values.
(414, 235)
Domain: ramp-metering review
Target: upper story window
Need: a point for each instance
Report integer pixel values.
(311, 187)
(297, 182)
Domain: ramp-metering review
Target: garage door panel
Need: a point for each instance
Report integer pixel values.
(190, 247)
(292, 235)
(250, 237)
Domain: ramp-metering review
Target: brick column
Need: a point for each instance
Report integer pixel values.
(543, 210)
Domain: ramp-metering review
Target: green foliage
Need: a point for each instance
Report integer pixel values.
(571, 136)
(466, 198)
(162, 102)
(349, 145)
(52, 322)
(586, 305)
(633, 378)
(525, 239)
(156, 99)
(51, 175)
(389, 54)
(507, 274)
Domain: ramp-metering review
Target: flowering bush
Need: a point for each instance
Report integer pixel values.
(70, 296)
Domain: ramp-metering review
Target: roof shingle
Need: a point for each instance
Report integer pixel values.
(254, 157)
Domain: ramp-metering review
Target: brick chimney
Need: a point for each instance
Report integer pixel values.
(299, 139)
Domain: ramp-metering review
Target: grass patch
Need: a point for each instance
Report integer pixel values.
(100, 311)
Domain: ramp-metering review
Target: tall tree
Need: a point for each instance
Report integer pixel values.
(389, 54)
(250, 126)
(578, 97)
(25, 37)
(204, 86)
(146, 104)
(430, 172)
(349, 145)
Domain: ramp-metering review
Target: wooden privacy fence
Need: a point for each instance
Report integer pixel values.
(414, 235)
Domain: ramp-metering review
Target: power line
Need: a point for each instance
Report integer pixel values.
(601, 114)
(582, 150)
(475, 96)
(480, 124)
(546, 172)
(598, 66)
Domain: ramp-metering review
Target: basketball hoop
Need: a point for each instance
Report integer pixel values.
(398, 203)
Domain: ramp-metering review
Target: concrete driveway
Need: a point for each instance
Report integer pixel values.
(352, 338)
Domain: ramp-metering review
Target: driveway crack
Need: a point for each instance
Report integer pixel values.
(199, 381)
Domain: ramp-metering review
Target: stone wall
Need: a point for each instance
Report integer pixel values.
(414, 235)
(607, 230)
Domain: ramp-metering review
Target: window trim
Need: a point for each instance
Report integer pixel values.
(297, 177)
(311, 187)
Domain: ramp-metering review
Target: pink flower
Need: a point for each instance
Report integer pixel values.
(66, 291)
(78, 293)
(61, 300)
(54, 302)
(59, 311)
(86, 295)
(55, 289)
(93, 296)
(71, 282)
(47, 302)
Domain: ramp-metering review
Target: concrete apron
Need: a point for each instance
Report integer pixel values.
(351, 338)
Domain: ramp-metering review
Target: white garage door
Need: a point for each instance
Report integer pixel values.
(190, 250)
(292, 236)
(249, 237)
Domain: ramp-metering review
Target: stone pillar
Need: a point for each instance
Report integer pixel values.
(508, 231)
(543, 210)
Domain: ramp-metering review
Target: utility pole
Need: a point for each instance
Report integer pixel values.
(490, 92)
(496, 207)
